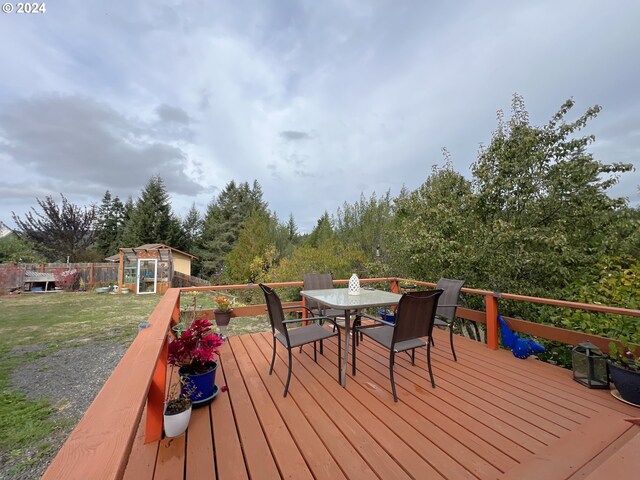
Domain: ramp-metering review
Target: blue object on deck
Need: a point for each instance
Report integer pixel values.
(521, 347)
(389, 317)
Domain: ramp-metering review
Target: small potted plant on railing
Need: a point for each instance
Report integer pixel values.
(624, 367)
(222, 312)
(177, 409)
(194, 352)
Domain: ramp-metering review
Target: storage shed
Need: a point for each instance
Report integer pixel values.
(150, 268)
(39, 281)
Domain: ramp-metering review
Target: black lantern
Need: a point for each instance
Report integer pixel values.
(589, 366)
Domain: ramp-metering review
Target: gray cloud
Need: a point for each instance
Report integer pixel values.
(167, 113)
(87, 146)
(293, 135)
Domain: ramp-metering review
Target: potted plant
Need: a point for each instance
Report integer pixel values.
(194, 352)
(624, 368)
(177, 411)
(222, 312)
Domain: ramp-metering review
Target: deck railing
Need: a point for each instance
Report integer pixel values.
(100, 445)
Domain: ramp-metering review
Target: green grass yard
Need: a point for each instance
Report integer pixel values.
(35, 326)
(39, 327)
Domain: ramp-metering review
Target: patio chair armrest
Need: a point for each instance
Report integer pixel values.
(309, 319)
(457, 305)
(375, 319)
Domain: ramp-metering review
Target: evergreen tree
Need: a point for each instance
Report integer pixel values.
(292, 229)
(109, 225)
(223, 221)
(321, 232)
(192, 227)
(151, 220)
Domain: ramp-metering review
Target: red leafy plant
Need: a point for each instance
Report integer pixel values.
(196, 348)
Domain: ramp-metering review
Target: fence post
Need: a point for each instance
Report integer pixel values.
(394, 286)
(91, 275)
(491, 303)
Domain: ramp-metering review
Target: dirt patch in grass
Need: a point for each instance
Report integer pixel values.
(69, 379)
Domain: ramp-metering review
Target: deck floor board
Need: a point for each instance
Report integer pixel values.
(491, 415)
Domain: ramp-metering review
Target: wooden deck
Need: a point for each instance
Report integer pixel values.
(491, 416)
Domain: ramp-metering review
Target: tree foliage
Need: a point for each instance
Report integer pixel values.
(14, 249)
(192, 227)
(110, 223)
(254, 253)
(366, 223)
(152, 220)
(223, 221)
(535, 215)
(58, 231)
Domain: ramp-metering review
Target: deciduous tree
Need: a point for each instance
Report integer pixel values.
(58, 231)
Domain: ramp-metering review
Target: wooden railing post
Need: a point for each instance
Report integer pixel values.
(155, 399)
(394, 286)
(491, 302)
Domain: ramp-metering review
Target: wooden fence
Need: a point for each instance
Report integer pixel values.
(182, 280)
(92, 274)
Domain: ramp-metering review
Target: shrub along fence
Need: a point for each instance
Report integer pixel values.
(12, 275)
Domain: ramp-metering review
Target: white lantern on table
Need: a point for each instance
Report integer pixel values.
(354, 285)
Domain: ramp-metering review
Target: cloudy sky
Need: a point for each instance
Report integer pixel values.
(317, 100)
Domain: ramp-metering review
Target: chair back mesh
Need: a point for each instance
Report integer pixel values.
(415, 315)
(274, 308)
(450, 296)
(317, 281)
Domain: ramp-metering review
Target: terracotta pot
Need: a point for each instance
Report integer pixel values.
(222, 318)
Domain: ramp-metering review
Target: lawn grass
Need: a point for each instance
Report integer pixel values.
(34, 326)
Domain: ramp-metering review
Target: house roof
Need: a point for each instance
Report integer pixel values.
(147, 246)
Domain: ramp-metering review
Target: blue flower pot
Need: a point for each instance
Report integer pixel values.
(627, 383)
(204, 383)
(387, 317)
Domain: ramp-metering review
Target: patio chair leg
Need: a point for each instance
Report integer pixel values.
(393, 383)
(315, 355)
(455, 359)
(433, 382)
(321, 349)
(432, 342)
(286, 387)
(413, 356)
(273, 358)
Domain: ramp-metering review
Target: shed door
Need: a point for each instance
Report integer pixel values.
(147, 275)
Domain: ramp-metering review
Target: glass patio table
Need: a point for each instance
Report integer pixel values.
(339, 299)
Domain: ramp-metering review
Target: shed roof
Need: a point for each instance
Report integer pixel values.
(30, 276)
(147, 246)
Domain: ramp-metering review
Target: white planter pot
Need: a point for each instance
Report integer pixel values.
(177, 424)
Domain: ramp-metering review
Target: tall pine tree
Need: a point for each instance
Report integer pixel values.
(151, 220)
(223, 220)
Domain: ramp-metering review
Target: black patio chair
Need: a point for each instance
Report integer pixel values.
(414, 320)
(447, 306)
(297, 336)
